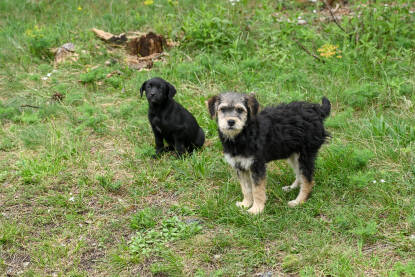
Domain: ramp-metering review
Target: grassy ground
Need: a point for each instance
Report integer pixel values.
(80, 194)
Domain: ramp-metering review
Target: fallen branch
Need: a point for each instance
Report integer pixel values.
(334, 17)
(108, 37)
(307, 51)
(29, 106)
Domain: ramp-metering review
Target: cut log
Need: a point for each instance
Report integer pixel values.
(146, 45)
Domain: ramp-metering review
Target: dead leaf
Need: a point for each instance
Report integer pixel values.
(116, 72)
(170, 43)
(58, 97)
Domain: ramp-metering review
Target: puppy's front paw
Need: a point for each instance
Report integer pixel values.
(256, 209)
(293, 203)
(244, 204)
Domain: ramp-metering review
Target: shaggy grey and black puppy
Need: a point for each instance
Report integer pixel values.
(169, 120)
(250, 139)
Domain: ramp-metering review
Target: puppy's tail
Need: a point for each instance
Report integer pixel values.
(325, 107)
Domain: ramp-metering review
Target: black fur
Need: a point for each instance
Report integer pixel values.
(169, 120)
(278, 132)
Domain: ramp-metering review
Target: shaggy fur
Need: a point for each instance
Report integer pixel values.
(293, 131)
(169, 120)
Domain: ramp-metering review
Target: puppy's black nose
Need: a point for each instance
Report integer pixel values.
(231, 122)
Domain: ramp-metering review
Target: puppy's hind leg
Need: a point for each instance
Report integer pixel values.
(179, 146)
(305, 189)
(246, 187)
(306, 168)
(200, 140)
(294, 163)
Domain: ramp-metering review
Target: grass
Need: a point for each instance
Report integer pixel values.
(80, 194)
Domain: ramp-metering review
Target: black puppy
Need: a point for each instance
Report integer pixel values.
(169, 120)
(250, 139)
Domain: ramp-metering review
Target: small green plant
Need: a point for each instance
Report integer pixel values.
(40, 39)
(350, 158)
(359, 158)
(401, 269)
(290, 263)
(6, 144)
(209, 30)
(144, 219)
(366, 231)
(108, 184)
(94, 75)
(340, 120)
(91, 117)
(156, 239)
(101, 74)
(172, 265)
(9, 233)
(361, 179)
(8, 112)
(361, 96)
(34, 135)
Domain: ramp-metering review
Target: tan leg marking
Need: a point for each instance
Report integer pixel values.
(293, 161)
(305, 190)
(258, 191)
(246, 187)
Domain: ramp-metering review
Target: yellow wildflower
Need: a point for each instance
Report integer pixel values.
(329, 50)
(148, 2)
(79, 8)
(29, 33)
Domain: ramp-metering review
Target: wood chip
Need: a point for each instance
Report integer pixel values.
(108, 37)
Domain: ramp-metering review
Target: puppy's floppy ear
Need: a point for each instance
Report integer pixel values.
(171, 90)
(211, 105)
(142, 88)
(252, 104)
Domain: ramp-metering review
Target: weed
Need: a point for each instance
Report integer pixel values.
(7, 144)
(144, 219)
(400, 269)
(153, 241)
(9, 233)
(290, 263)
(361, 96)
(366, 231)
(33, 136)
(340, 120)
(108, 184)
(8, 113)
(209, 30)
(40, 39)
(361, 179)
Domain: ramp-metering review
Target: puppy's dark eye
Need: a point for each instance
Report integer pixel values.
(239, 110)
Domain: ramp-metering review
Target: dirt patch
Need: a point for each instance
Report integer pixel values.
(15, 263)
